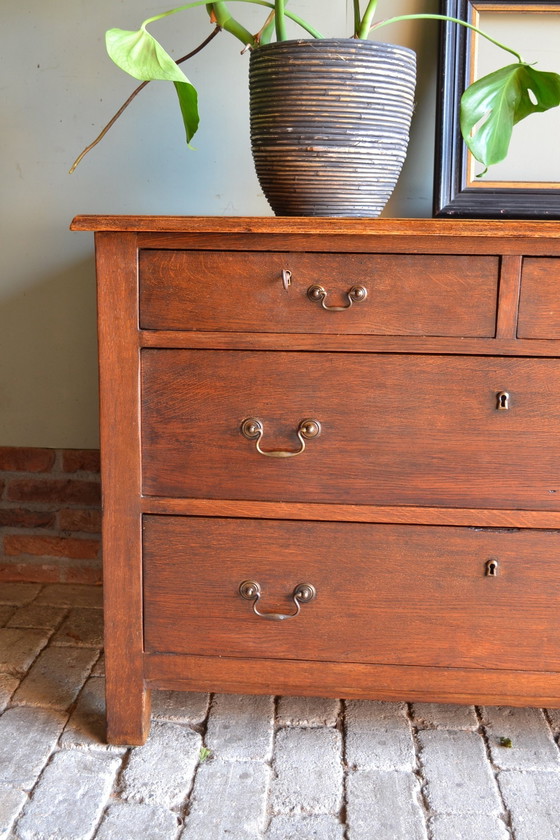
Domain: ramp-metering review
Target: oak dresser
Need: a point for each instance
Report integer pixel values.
(330, 459)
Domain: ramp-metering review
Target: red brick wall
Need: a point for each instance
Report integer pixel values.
(50, 515)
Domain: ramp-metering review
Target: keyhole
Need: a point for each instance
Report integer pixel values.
(492, 568)
(503, 400)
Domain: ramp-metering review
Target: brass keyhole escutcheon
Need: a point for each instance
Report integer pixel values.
(503, 400)
(492, 567)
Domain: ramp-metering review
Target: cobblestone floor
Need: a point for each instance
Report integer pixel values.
(242, 768)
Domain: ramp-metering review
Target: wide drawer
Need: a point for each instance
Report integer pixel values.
(395, 429)
(539, 304)
(400, 594)
(406, 294)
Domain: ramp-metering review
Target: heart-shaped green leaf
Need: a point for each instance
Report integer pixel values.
(142, 57)
(491, 106)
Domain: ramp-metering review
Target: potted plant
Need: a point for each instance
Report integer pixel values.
(330, 117)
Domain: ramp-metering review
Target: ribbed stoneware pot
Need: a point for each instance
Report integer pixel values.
(330, 122)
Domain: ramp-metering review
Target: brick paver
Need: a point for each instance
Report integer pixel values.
(55, 678)
(161, 772)
(533, 799)
(241, 727)
(70, 797)
(532, 744)
(228, 800)
(385, 804)
(230, 767)
(308, 768)
(459, 778)
(378, 736)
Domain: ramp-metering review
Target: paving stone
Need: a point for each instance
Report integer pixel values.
(554, 718)
(8, 685)
(171, 751)
(86, 728)
(385, 805)
(98, 669)
(533, 746)
(307, 711)
(124, 821)
(6, 612)
(305, 827)
(81, 628)
(459, 777)
(27, 738)
(55, 678)
(308, 767)
(40, 616)
(11, 803)
(228, 801)
(241, 727)
(18, 593)
(444, 716)
(72, 595)
(378, 736)
(469, 827)
(180, 706)
(69, 798)
(533, 800)
(18, 648)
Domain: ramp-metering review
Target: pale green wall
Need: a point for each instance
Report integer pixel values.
(58, 90)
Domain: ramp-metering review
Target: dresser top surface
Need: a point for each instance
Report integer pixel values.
(291, 225)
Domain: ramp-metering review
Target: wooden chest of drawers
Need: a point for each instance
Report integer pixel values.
(330, 459)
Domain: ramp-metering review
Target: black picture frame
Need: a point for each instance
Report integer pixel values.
(453, 196)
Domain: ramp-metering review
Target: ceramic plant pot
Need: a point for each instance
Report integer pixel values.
(330, 122)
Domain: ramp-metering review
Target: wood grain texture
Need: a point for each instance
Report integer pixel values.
(508, 301)
(539, 307)
(308, 226)
(354, 680)
(396, 429)
(128, 706)
(411, 595)
(397, 514)
(349, 343)
(414, 483)
(243, 291)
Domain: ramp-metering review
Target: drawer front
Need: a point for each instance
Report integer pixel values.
(394, 594)
(395, 429)
(438, 295)
(539, 304)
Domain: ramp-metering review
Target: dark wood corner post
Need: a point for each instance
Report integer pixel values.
(128, 700)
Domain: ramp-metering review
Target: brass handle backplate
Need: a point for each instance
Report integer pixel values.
(253, 429)
(303, 593)
(318, 294)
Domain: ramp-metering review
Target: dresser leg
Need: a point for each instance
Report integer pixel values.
(128, 712)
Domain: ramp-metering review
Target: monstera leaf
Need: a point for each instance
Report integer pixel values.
(491, 106)
(142, 57)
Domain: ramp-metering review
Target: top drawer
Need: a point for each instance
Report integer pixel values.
(539, 304)
(406, 294)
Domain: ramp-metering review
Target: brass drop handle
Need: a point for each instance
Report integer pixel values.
(354, 295)
(303, 593)
(253, 429)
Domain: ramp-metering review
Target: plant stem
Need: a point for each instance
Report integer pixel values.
(264, 35)
(135, 93)
(366, 23)
(224, 19)
(279, 8)
(451, 20)
(296, 18)
(357, 17)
